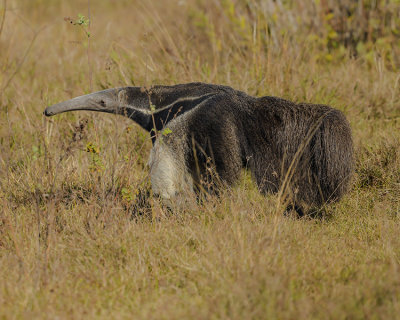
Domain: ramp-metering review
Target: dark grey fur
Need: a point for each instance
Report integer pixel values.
(303, 150)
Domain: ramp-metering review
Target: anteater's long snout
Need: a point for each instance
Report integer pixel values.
(63, 107)
(101, 101)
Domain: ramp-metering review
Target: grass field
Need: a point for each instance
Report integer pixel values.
(69, 247)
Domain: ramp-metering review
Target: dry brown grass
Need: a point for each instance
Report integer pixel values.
(69, 247)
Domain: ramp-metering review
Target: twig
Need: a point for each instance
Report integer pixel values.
(3, 18)
(88, 49)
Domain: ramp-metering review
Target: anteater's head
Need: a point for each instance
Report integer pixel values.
(102, 101)
(131, 102)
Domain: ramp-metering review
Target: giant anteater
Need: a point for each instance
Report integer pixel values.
(303, 151)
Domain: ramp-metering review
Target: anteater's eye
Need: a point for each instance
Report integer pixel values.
(102, 102)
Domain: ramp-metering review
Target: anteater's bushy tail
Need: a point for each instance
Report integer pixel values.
(332, 163)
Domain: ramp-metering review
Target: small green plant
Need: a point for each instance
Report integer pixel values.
(82, 22)
(96, 162)
(166, 131)
(127, 195)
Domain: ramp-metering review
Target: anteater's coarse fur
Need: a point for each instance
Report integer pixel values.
(303, 151)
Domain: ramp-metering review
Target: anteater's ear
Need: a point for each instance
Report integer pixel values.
(123, 97)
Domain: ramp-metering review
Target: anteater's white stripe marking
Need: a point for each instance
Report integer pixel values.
(149, 112)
